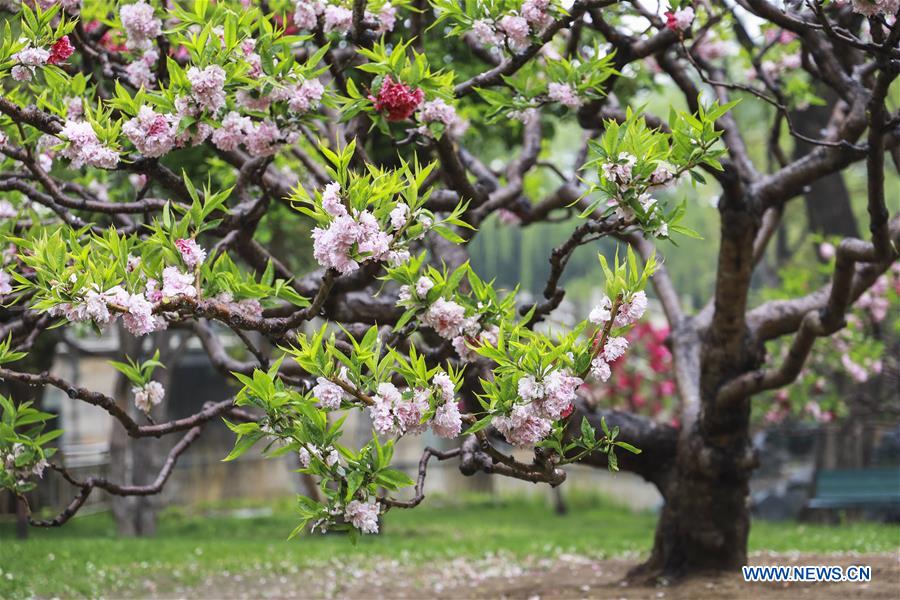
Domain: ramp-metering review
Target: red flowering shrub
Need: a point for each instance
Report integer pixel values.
(397, 99)
(641, 381)
(60, 50)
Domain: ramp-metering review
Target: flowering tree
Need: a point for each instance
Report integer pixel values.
(149, 146)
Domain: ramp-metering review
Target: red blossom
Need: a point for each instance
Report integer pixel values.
(567, 412)
(60, 50)
(671, 23)
(397, 100)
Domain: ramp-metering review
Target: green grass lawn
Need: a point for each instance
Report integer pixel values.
(85, 558)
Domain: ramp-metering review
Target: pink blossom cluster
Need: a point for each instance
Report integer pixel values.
(536, 12)
(860, 372)
(711, 48)
(485, 34)
(629, 312)
(619, 171)
(175, 284)
(547, 399)
(306, 13)
(871, 8)
(306, 96)
(84, 148)
(337, 18)
(447, 421)
(5, 282)
(815, 411)
(305, 454)
(473, 336)
(391, 414)
(208, 87)
(329, 394)
(517, 31)
(363, 515)
(515, 28)
(349, 240)
(681, 19)
(438, 111)
(523, 426)
(10, 457)
(564, 94)
(191, 252)
(875, 300)
(148, 396)
(446, 317)
(27, 60)
(153, 134)
(140, 71)
(71, 6)
(140, 24)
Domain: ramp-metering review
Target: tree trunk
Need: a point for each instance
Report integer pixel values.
(705, 520)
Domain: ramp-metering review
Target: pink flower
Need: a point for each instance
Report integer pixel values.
(508, 217)
(5, 283)
(305, 13)
(483, 30)
(363, 515)
(447, 421)
(559, 393)
(632, 310)
(423, 286)
(600, 369)
(826, 251)
(409, 413)
(148, 396)
(387, 18)
(232, 132)
(332, 247)
(399, 215)
(522, 427)
(615, 348)
(516, 30)
(32, 57)
(191, 252)
(263, 139)
(564, 94)
(140, 72)
(60, 50)
(151, 133)
(535, 12)
(328, 393)
(680, 20)
(7, 210)
(446, 317)
(438, 111)
(337, 18)
(84, 148)
(208, 87)
(397, 99)
(529, 389)
(855, 370)
(176, 283)
(331, 200)
(139, 320)
(140, 24)
(445, 386)
(306, 96)
(871, 8)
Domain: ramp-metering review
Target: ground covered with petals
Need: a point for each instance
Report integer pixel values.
(450, 548)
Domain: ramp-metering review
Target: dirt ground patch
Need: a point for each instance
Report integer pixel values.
(563, 576)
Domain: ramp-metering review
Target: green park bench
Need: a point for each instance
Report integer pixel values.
(861, 488)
